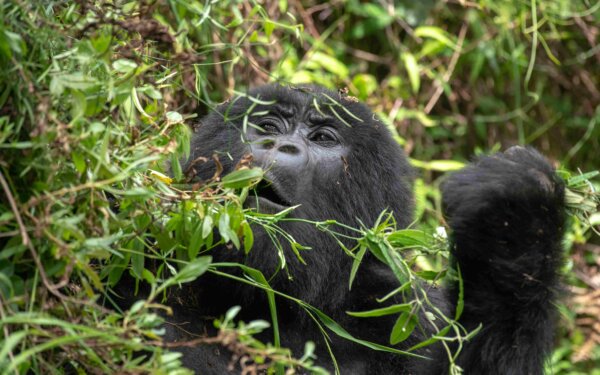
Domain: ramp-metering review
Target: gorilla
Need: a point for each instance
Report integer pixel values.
(330, 156)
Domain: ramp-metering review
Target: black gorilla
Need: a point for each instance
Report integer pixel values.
(330, 154)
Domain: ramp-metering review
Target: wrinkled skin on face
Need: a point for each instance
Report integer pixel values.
(300, 148)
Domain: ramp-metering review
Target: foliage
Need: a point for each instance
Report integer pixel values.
(96, 100)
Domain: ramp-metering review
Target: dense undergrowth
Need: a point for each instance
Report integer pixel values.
(97, 97)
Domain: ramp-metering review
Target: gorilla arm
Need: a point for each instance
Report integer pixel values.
(506, 213)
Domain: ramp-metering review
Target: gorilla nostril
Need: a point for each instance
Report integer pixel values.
(267, 144)
(289, 149)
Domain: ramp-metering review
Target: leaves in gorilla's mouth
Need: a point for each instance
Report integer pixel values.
(268, 191)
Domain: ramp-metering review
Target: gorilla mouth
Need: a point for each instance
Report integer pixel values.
(267, 192)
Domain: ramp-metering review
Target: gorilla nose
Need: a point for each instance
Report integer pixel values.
(288, 148)
(284, 153)
(284, 147)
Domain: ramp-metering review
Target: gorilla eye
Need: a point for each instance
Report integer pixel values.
(269, 126)
(324, 137)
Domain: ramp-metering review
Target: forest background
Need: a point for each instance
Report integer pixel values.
(97, 96)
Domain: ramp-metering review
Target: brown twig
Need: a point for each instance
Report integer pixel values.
(464, 3)
(590, 34)
(322, 6)
(440, 86)
(307, 20)
(368, 56)
(15, 209)
(25, 237)
(52, 288)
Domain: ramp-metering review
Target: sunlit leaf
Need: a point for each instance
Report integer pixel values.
(435, 33)
(393, 309)
(242, 178)
(412, 68)
(403, 327)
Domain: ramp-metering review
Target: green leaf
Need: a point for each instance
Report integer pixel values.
(174, 117)
(77, 81)
(438, 165)
(431, 275)
(189, 272)
(435, 33)
(135, 192)
(6, 285)
(170, 357)
(163, 177)
(137, 306)
(124, 65)
(195, 241)
(224, 229)
(269, 27)
(17, 145)
(97, 127)
(410, 237)
(164, 241)
(207, 226)
(137, 264)
(412, 68)
(366, 84)
(103, 243)
(574, 181)
(234, 238)
(404, 326)
(296, 247)
(388, 310)
(11, 42)
(248, 237)
(460, 303)
(176, 167)
(117, 267)
(257, 326)
(9, 343)
(259, 278)
(150, 91)
(232, 313)
(340, 331)
(355, 264)
(253, 37)
(330, 64)
(242, 178)
(78, 161)
(443, 332)
(148, 276)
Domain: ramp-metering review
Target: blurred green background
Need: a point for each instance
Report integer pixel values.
(93, 94)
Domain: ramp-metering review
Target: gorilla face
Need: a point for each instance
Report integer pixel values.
(300, 149)
(322, 152)
(319, 150)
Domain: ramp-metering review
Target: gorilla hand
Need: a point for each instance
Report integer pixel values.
(506, 214)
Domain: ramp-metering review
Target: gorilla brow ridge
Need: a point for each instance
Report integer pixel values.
(288, 111)
(316, 118)
(284, 109)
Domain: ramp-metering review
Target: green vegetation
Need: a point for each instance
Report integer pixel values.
(96, 98)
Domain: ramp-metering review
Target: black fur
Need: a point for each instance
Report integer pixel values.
(505, 212)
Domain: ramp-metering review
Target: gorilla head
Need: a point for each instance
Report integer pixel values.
(308, 139)
(322, 151)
